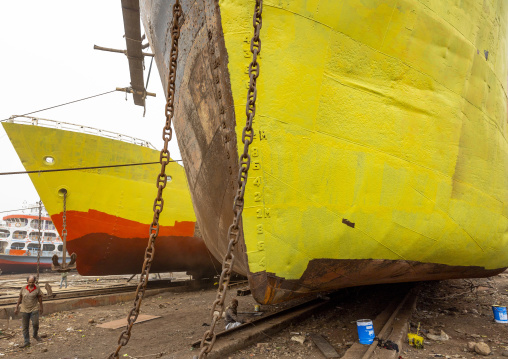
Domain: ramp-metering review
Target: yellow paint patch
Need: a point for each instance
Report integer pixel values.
(126, 192)
(388, 113)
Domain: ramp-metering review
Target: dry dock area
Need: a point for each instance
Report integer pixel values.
(460, 308)
(340, 191)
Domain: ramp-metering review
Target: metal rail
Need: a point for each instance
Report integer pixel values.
(302, 310)
(11, 300)
(36, 121)
(384, 331)
(312, 303)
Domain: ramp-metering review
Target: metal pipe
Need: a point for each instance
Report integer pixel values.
(130, 90)
(95, 47)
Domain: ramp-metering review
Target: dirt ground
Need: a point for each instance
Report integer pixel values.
(75, 334)
(461, 308)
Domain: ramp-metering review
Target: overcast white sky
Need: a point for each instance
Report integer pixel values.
(47, 58)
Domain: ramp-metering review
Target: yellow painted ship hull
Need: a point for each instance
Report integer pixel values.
(381, 150)
(109, 210)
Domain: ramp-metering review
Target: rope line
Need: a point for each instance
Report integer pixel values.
(19, 209)
(83, 168)
(149, 71)
(63, 104)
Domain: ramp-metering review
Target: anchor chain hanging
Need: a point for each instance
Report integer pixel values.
(39, 238)
(64, 266)
(158, 205)
(234, 230)
(64, 223)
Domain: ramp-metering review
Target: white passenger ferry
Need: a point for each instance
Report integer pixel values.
(19, 241)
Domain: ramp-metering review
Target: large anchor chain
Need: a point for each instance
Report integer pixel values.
(234, 230)
(64, 266)
(162, 179)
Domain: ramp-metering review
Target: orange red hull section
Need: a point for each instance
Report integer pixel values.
(102, 252)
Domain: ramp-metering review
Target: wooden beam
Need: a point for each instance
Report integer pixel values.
(325, 347)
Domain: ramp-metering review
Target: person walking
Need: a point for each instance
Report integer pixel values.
(30, 299)
(64, 278)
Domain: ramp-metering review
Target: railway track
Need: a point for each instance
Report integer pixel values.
(121, 288)
(74, 299)
(395, 302)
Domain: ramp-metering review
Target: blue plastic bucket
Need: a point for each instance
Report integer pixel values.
(500, 315)
(365, 331)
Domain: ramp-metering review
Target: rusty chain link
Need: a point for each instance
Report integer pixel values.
(161, 184)
(39, 238)
(234, 230)
(64, 219)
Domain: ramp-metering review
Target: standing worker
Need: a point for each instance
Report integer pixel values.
(64, 278)
(30, 299)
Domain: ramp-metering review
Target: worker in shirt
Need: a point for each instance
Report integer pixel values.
(232, 319)
(30, 298)
(64, 279)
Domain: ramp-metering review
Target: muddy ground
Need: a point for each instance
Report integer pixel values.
(461, 308)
